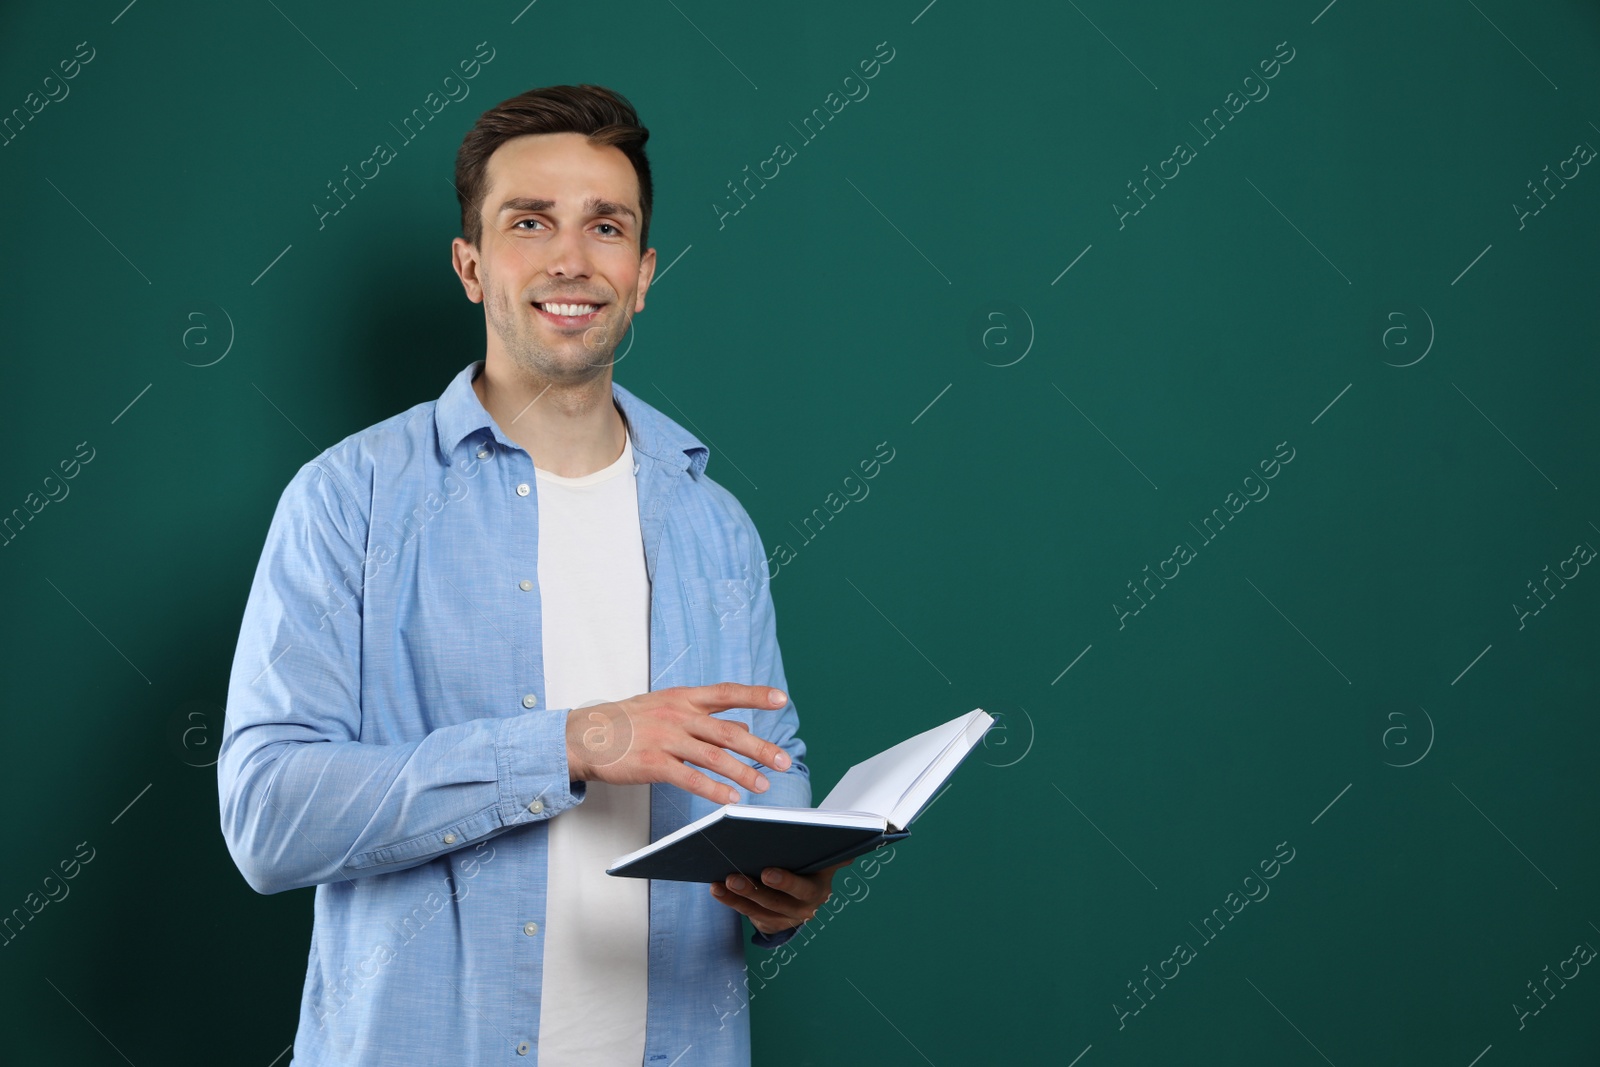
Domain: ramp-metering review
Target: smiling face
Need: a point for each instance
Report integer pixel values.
(558, 268)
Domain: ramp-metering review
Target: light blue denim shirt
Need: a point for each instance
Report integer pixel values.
(388, 741)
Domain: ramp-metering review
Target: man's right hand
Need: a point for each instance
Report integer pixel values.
(654, 736)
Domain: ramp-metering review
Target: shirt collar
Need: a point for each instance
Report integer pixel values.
(459, 414)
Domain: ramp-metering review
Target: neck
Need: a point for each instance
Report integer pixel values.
(569, 428)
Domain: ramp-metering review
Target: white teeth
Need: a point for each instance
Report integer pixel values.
(570, 309)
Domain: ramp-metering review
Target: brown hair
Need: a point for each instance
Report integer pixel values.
(604, 116)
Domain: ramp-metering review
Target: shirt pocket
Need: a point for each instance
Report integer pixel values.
(721, 614)
(720, 611)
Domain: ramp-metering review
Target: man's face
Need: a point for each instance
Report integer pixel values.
(558, 267)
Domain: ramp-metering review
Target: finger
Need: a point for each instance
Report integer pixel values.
(746, 906)
(690, 780)
(774, 900)
(736, 737)
(722, 734)
(715, 759)
(813, 889)
(725, 695)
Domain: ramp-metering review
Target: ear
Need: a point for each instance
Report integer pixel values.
(647, 273)
(464, 258)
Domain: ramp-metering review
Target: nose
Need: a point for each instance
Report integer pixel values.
(569, 256)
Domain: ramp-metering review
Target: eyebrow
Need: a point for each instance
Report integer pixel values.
(594, 206)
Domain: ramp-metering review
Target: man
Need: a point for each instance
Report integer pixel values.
(477, 663)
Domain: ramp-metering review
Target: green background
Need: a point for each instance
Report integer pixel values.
(1341, 672)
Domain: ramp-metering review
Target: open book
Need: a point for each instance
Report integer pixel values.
(874, 803)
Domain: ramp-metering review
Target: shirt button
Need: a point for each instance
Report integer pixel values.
(449, 839)
(530, 700)
(522, 490)
(483, 453)
(525, 585)
(530, 929)
(538, 805)
(522, 1049)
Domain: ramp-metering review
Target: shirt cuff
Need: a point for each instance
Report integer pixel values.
(761, 940)
(531, 757)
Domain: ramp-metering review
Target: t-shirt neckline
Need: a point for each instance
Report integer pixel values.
(622, 463)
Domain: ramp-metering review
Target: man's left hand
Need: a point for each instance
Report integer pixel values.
(781, 900)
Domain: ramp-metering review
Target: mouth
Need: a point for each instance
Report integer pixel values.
(568, 315)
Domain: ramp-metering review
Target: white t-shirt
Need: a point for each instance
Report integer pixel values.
(596, 612)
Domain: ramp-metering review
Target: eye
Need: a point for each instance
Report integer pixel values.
(615, 231)
(519, 222)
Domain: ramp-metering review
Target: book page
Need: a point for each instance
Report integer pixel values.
(917, 797)
(878, 784)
